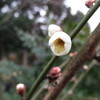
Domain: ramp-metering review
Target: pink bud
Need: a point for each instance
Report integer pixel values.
(49, 88)
(55, 70)
(89, 3)
(73, 54)
(54, 74)
(21, 89)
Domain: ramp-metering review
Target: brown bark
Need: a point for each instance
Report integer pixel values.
(97, 57)
(25, 58)
(85, 54)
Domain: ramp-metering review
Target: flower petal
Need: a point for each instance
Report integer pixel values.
(60, 43)
(53, 28)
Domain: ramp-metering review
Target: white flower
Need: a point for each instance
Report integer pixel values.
(60, 43)
(53, 28)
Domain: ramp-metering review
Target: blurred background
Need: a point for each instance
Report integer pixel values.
(24, 49)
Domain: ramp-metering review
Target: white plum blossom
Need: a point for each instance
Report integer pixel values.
(60, 43)
(53, 28)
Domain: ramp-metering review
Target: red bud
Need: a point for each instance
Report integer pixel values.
(21, 89)
(89, 3)
(55, 70)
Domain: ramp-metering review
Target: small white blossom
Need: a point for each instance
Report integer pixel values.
(21, 89)
(53, 28)
(20, 85)
(60, 43)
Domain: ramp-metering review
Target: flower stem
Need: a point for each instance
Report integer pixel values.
(41, 77)
(38, 93)
(7, 18)
(54, 58)
(85, 19)
(22, 97)
(85, 54)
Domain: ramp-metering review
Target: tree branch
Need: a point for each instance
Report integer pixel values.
(54, 58)
(97, 57)
(85, 54)
(81, 77)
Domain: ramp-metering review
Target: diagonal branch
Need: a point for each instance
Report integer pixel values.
(77, 82)
(85, 54)
(54, 58)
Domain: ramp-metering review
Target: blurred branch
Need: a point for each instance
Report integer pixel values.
(25, 58)
(64, 64)
(83, 98)
(85, 19)
(77, 82)
(86, 53)
(97, 57)
(38, 93)
(41, 77)
(7, 18)
(41, 89)
(54, 58)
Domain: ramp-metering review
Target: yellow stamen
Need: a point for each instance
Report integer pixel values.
(59, 45)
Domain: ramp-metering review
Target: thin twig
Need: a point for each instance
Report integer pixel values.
(38, 93)
(54, 58)
(9, 16)
(86, 53)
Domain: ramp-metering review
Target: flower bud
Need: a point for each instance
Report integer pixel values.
(89, 3)
(60, 43)
(54, 74)
(73, 54)
(85, 67)
(21, 89)
(55, 71)
(52, 29)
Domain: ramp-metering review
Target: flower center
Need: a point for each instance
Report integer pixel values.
(59, 45)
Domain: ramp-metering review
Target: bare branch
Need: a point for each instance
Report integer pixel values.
(97, 57)
(85, 54)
